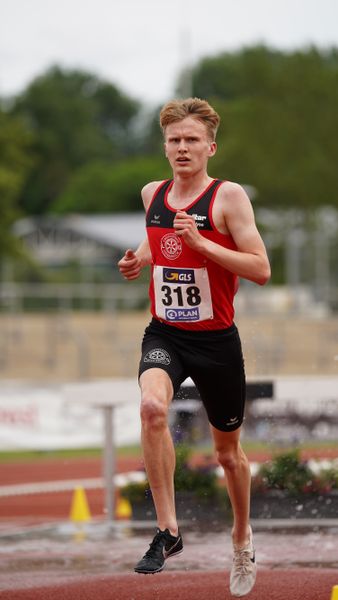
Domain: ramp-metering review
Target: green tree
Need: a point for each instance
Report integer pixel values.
(102, 187)
(15, 162)
(76, 118)
(279, 122)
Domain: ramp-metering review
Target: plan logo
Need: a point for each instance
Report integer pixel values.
(178, 275)
(182, 314)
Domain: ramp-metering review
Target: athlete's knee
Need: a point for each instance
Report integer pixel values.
(231, 457)
(154, 411)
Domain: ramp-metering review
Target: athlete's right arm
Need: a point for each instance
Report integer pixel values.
(132, 263)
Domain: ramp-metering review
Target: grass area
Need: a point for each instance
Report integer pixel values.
(19, 455)
(135, 450)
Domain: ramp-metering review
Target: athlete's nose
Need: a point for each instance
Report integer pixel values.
(182, 147)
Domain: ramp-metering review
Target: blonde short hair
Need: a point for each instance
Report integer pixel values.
(177, 110)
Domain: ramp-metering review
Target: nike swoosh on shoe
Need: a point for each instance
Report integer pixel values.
(167, 553)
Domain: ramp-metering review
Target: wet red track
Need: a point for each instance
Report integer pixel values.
(309, 584)
(272, 583)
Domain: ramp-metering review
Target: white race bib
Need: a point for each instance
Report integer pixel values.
(182, 294)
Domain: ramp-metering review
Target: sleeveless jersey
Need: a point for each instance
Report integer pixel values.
(187, 290)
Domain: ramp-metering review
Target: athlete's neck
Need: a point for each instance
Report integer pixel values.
(187, 189)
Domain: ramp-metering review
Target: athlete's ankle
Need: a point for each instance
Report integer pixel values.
(239, 540)
(173, 530)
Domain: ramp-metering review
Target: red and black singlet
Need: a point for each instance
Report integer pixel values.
(188, 290)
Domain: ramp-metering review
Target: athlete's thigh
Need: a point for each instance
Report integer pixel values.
(221, 384)
(155, 384)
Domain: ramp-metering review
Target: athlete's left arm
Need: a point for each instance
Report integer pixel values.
(250, 260)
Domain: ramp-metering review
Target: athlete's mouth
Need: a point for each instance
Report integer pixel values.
(183, 159)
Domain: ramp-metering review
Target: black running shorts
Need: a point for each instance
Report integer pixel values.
(213, 360)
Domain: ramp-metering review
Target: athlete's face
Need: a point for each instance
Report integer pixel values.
(188, 147)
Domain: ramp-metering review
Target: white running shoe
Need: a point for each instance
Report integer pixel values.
(244, 569)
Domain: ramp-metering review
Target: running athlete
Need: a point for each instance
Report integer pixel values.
(201, 237)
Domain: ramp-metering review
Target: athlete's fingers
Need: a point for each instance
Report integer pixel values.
(129, 268)
(185, 226)
(128, 260)
(181, 215)
(131, 274)
(130, 271)
(182, 232)
(129, 254)
(179, 223)
(130, 265)
(183, 223)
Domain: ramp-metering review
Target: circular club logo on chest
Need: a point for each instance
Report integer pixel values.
(171, 246)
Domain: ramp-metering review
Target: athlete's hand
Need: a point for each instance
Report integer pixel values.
(185, 226)
(130, 265)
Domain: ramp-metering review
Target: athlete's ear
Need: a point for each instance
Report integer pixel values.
(212, 149)
(165, 149)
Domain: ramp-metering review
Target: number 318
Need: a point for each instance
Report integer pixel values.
(192, 293)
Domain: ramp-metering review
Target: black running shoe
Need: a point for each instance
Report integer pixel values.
(162, 547)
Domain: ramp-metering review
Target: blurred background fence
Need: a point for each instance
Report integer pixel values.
(57, 342)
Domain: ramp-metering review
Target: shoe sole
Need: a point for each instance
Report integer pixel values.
(161, 568)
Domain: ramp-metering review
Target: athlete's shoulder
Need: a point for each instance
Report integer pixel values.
(231, 188)
(149, 190)
(230, 191)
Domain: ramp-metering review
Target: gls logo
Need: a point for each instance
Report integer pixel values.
(179, 275)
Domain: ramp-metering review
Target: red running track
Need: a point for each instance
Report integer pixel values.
(294, 584)
(56, 505)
